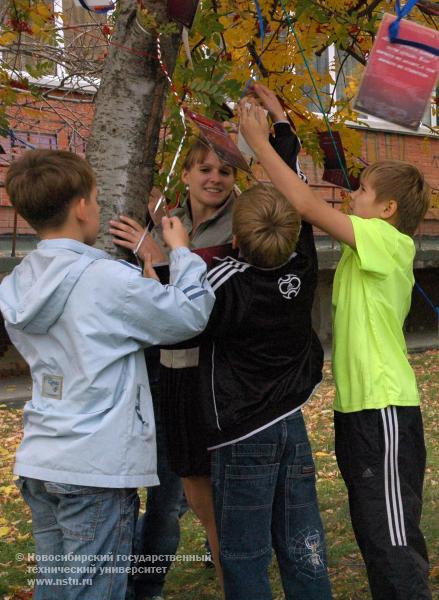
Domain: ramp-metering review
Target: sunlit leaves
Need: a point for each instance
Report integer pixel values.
(228, 49)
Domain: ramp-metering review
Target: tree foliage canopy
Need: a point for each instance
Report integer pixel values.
(311, 52)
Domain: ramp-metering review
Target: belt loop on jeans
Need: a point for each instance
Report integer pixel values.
(180, 359)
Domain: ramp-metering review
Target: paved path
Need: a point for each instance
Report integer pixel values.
(15, 391)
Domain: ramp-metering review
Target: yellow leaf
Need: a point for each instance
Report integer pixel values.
(8, 490)
(43, 11)
(4, 531)
(8, 38)
(434, 572)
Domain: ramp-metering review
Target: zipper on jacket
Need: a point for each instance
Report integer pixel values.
(139, 414)
(213, 386)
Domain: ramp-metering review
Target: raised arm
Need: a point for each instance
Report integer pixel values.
(313, 209)
(284, 140)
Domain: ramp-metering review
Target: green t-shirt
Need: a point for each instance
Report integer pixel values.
(370, 301)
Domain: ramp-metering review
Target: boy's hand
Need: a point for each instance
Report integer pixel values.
(253, 125)
(148, 269)
(174, 233)
(269, 101)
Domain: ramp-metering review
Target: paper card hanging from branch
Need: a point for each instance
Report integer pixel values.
(333, 173)
(215, 136)
(98, 6)
(398, 81)
(241, 142)
(183, 11)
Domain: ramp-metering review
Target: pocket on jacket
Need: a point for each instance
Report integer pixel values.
(94, 406)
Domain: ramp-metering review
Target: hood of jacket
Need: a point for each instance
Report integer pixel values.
(33, 296)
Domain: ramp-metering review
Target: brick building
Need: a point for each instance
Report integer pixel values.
(57, 123)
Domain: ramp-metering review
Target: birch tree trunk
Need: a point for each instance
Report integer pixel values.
(129, 108)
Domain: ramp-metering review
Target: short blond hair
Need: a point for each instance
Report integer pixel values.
(266, 226)
(400, 181)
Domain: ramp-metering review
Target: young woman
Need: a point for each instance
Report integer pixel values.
(207, 215)
(206, 212)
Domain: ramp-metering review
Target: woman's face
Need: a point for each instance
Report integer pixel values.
(210, 182)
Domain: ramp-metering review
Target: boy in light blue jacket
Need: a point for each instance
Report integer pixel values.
(81, 321)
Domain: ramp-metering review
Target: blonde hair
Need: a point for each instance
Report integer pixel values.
(266, 226)
(400, 181)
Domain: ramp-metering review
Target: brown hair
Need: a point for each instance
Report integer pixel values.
(197, 154)
(42, 184)
(400, 181)
(266, 226)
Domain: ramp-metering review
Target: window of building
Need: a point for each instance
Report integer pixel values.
(18, 142)
(77, 143)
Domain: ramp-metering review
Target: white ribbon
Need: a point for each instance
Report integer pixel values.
(187, 49)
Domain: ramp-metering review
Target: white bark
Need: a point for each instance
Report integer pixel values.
(129, 108)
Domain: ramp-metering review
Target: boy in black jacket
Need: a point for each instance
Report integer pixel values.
(260, 363)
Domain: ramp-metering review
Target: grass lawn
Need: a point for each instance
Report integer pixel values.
(192, 580)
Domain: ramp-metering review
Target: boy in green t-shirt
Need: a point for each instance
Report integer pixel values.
(379, 438)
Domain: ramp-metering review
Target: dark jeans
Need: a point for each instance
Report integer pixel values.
(381, 456)
(158, 530)
(265, 496)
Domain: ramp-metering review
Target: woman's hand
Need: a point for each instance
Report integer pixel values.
(127, 231)
(253, 125)
(128, 234)
(148, 269)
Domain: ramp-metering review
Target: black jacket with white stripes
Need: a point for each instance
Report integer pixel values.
(260, 358)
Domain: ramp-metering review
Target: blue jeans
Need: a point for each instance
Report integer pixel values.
(83, 538)
(265, 497)
(158, 530)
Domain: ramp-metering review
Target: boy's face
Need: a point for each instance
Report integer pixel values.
(210, 182)
(92, 224)
(364, 203)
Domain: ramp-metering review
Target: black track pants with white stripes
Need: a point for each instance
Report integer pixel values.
(381, 456)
